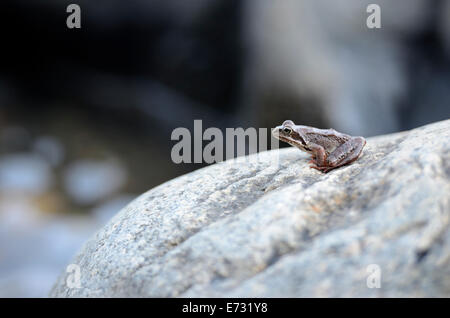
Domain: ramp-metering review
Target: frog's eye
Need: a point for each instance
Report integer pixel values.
(287, 130)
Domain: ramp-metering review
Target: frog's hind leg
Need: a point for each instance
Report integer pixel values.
(345, 153)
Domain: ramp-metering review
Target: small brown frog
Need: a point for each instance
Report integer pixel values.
(330, 149)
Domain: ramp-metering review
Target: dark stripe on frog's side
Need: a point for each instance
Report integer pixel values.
(292, 143)
(295, 135)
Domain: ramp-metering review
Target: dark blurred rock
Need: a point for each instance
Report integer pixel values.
(261, 62)
(193, 48)
(317, 63)
(270, 226)
(444, 25)
(14, 139)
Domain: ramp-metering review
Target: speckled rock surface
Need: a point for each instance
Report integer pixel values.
(270, 227)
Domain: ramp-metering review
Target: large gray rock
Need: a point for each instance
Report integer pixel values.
(257, 228)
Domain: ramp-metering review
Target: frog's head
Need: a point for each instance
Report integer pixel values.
(288, 133)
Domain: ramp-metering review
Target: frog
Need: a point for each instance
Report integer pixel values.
(329, 148)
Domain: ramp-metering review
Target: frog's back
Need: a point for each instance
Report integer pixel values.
(329, 139)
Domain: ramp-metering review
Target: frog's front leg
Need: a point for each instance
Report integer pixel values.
(344, 154)
(319, 156)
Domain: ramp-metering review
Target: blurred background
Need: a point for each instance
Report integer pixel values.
(86, 114)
